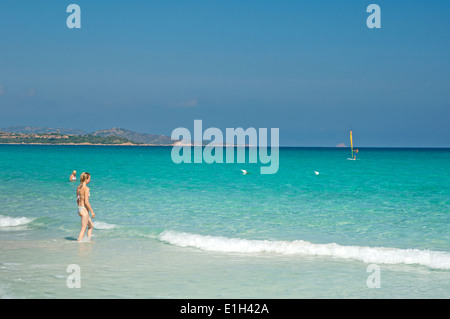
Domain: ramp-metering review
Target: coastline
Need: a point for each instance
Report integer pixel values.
(132, 144)
(88, 144)
(281, 146)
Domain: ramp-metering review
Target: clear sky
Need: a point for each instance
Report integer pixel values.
(313, 69)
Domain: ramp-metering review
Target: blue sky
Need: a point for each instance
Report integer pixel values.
(313, 69)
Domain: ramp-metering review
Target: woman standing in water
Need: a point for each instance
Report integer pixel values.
(84, 206)
(73, 177)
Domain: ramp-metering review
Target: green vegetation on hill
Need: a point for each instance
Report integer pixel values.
(64, 139)
(47, 135)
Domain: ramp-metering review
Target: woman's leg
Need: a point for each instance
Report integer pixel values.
(90, 226)
(84, 222)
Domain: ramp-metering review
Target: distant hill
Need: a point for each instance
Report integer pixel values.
(135, 137)
(55, 138)
(74, 135)
(42, 130)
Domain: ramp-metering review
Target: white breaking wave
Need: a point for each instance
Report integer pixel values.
(6, 221)
(103, 225)
(380, 255)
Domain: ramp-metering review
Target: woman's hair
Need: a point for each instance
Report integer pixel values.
(84, 177)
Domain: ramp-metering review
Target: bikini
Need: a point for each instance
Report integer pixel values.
(80, 208)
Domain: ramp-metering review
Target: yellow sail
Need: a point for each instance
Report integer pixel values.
(351, 142)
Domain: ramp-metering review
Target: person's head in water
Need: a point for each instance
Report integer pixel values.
(85, 178)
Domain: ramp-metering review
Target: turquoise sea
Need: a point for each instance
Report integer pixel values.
(377, 227)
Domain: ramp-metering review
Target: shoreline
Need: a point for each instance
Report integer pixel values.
(87, 144)
(192, 145)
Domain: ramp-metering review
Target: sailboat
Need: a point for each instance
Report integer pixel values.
(354, 152)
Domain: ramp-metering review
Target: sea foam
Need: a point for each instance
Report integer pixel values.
(381, 255)
(6, 221)
(103, 225)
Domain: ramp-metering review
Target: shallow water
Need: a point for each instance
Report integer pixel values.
(166, 230)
